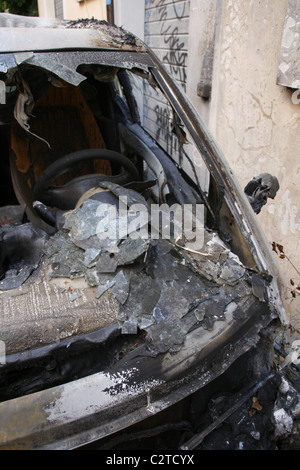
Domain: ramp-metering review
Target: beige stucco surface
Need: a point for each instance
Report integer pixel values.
(255, 121)
(73, 10)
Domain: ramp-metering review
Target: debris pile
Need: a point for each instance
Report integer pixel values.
(161, 287)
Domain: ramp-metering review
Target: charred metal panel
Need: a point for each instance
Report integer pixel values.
(73, 414)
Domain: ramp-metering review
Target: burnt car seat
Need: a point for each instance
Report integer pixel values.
(62, 119)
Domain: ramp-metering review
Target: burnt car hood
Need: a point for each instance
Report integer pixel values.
(96, 335)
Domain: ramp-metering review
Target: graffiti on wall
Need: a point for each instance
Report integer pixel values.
(166, 32)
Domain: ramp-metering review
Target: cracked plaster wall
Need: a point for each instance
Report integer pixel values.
(255, 121)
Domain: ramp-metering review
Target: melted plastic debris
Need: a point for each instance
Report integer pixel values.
(21, 250)
(120, 289)
(259, 189)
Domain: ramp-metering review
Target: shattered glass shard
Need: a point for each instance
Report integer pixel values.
(83, 227)
(92, 278)
(130, 249)
(90, 257)
(65, 258)
(120, 289)
(130, 326)
(103, 288)
(167, 336)
(172, 302)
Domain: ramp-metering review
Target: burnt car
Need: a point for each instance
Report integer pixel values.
(112, 309)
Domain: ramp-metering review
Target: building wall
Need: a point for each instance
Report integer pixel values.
(167, 32)
(255, 121)
(72, 9)
(85, 9)
(46, 8)
(201, 51)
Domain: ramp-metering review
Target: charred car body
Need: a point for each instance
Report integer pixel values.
(101, 332)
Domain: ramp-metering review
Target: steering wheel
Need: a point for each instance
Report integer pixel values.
(66, 196)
